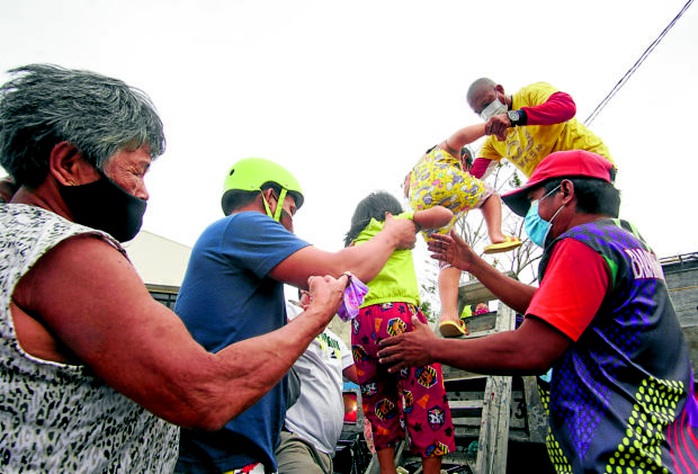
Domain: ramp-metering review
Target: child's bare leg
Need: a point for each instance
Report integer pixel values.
(386, 460)
(492, 212)
(449, 277)
(431, 465)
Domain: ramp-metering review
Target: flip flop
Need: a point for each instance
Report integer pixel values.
(510, 244)
(452, 328)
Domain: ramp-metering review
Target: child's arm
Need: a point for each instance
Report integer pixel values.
(432, 218)
(462, 137)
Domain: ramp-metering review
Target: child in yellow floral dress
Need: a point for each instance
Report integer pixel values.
(440, 177)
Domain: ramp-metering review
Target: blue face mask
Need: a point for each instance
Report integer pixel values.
(536, 227)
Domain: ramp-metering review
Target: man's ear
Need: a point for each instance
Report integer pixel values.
(270, 195)
(68, 167)
(567, 188)
(267, 195)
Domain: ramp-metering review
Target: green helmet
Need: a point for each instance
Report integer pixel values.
(249, 174)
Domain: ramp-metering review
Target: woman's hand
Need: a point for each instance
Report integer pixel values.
(326, 295)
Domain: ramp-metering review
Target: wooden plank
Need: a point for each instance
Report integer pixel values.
(466, 431)
(465, 404)
(476, 421)
(473, 292)
(494, 429)
(465, 421)
(536, 418)
(462, 396)
(454, 376)
(494, 432)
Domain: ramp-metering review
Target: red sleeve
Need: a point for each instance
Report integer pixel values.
(559, 107)
(480, 166)
(574, 285)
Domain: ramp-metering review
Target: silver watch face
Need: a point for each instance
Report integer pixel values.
(513, 115)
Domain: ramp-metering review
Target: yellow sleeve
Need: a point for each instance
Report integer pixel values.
(488, 150)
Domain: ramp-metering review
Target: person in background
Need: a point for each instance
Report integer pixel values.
(246, 258)
(95, 374)
(440, 177)
(466, 157)
(415, 399)
(467, 311)
(314, 422)
(528, 125)
(621, 388)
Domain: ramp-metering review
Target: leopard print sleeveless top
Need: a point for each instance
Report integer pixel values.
(57, 417)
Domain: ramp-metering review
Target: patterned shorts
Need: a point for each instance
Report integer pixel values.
(413, 400)
(438, 179)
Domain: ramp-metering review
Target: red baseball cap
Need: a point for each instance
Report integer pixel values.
(560, 164)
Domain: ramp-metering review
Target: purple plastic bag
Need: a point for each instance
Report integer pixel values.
(354, 295)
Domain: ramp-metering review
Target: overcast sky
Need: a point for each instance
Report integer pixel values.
(348, 95)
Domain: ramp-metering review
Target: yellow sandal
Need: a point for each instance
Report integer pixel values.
(510, 244)
(452, 328)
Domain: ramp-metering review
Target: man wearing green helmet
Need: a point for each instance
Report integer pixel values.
(254, 174)
(233, 290)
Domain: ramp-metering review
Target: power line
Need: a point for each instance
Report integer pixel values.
(635, 66)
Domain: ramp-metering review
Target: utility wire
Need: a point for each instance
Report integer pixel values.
(635, 66)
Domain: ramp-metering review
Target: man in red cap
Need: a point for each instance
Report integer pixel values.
(621, 392)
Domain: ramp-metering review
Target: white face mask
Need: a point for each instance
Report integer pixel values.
(493, 108)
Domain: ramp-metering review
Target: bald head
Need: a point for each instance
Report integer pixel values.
(477, 90)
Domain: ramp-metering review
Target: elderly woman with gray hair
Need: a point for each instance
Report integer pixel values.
(94, 373)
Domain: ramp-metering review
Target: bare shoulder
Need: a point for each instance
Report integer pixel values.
(82, 271)
(79, 256)
(79, 285)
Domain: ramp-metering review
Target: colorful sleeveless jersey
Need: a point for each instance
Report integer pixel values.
(621, 398)
(57, 417)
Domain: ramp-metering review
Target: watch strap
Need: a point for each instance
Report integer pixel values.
(520, 121)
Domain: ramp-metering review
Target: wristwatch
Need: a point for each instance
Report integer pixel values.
(514, 117)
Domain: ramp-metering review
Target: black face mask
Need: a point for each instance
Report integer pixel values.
(105, 206)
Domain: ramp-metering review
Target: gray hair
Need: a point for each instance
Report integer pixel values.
(44, 104)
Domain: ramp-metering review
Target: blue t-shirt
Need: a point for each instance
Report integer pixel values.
(226, 297)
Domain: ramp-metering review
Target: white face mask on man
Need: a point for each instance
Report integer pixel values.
(495, 107)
